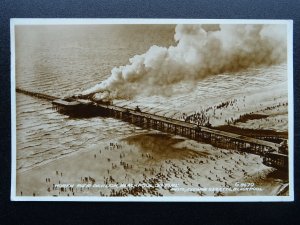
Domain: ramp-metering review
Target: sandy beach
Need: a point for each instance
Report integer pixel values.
(170, 166)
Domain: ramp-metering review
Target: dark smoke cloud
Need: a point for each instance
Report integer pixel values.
(201, 51)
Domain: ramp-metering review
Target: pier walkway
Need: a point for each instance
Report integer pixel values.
(270, 151)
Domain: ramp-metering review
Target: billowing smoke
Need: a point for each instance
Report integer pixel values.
(201, 51)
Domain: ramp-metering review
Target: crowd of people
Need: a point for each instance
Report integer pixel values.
(219, 168)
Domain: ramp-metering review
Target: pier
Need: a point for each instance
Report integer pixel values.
(36, 94)
(272, 153)
(269, 150)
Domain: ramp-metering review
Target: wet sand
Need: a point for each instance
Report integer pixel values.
(155, 164)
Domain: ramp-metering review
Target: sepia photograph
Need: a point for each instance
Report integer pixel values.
(152, 110)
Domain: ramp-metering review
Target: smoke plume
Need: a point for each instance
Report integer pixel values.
(201, 51)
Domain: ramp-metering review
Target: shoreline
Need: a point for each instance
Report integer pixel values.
(18, 171)
(130, 161)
